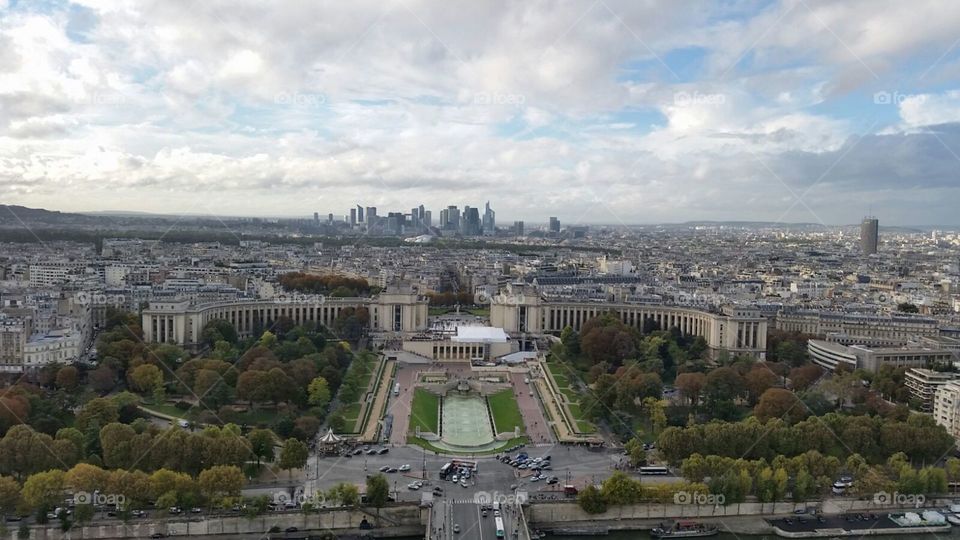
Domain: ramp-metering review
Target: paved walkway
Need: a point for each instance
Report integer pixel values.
(534, 421)
(400, 405)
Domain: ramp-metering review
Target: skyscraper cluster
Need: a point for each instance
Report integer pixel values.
(452, 221)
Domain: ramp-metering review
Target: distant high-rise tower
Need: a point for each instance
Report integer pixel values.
(427, 218)
(869, 235)
(518, 228)
(316, 217)
(353, 217)
(489, 224)
(359, 214)
(554, 225)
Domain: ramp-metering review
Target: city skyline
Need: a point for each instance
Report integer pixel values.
(611, 112)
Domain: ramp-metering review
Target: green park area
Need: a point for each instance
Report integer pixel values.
(562, 377)
(505, 411)
(424, 412)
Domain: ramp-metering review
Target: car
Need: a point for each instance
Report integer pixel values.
(552, 480)
(455, 479)
(546, 467)
(413, 486)
(382, 451)
(456, 527)
(196, 510)
(392, 470)
(138, 513)
(291, 529)
(536, 478)
(463, 483)
(385, 468)
(800, 511)
(404, 468)
(371, 452)
(483, 513)
(158, 535)
(438, 489)
(174, 510)
(496, 512)
(821, 519)
(357, 452)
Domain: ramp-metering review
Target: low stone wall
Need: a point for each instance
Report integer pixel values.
(560, 512)
(405, 518)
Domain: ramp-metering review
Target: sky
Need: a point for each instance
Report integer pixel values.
(596, 111)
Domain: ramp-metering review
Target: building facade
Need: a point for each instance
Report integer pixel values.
(946, 407)
(738, 330)
(181, 322)
(830, 355)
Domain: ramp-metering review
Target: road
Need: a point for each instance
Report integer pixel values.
(574, 465)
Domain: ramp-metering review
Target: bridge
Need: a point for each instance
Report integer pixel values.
(467, 514)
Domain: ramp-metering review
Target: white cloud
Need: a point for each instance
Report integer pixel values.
(538, 106)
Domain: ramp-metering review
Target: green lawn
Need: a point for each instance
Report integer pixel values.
(166, 408)
(505, 411)
(350, 414)
(573, 397)
(424, 411)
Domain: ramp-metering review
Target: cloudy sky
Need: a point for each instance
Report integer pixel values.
(604, 111)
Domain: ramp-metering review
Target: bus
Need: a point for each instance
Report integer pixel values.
(499, 522)
(445, 470)
(396, 389)
(654, 470)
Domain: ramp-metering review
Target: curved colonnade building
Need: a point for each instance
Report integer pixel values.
(181, 323)
(736, 329)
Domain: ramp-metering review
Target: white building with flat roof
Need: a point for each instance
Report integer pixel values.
(946, 407)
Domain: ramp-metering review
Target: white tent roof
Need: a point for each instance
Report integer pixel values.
(479, 334)
(330, 437)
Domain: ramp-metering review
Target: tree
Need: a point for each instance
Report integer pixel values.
(620, 489)
(67, 378)
(378, 490)
(591, 500)
(86, 477)
(145, 378)
(757, 381)
(690, 385)
(636, 452)
(319, 392)
(262, 442)
(99, 410)
(43, 490)
(346, 493)
(9, 495)
(293, 455)
(221, 482)
(804, 376)
(102, 379)
(780, 403)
